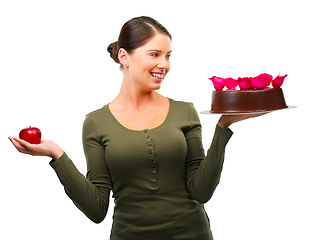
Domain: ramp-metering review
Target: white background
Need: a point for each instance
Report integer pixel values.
(54, 69)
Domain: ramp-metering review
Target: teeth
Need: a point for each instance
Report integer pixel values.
(157, 75)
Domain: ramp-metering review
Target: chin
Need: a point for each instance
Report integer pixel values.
(157, 87)
(151, 89)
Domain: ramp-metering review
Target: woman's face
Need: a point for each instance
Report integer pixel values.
(149, 64)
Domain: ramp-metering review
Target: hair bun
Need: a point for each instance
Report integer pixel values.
(112, 49)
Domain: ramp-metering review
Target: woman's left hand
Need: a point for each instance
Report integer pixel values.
(45, 148)
(226, 120)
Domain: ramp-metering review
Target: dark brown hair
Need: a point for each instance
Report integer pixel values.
(135, 33)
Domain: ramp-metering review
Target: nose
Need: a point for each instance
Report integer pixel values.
(164, 64)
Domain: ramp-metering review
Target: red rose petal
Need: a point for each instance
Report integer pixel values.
(218, 83)
(261, 81)
(278, 81)
(230, 83)
(244, 83)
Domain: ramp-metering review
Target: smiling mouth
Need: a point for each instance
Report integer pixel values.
(157, 76)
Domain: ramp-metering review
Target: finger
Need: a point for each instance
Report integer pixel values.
(11, 139)
(18, 145)
(258, 114)
(23, 143)
(15, 142)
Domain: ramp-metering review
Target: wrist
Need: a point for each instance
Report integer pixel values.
(56, 153)
(223, 123)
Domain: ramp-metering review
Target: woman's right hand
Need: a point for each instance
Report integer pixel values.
(44, 148)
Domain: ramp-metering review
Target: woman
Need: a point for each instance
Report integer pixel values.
(144, 147)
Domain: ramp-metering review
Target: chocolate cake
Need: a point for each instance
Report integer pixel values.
(245, 101)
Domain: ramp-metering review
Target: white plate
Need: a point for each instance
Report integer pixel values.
(240, 113)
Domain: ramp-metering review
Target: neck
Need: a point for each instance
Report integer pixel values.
(132, 96)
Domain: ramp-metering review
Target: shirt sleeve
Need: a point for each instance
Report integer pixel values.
(203, 171)
(91, 193)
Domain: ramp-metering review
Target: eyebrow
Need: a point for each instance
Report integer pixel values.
(156, 50)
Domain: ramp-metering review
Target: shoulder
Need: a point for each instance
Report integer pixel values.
(97, 116)
(185, 115)
(97, 113)
(185, 110)
(187, 107)
(180, 103)
(97, 122)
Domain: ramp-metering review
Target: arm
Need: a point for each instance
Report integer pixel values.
(90, 194)
(203, 172)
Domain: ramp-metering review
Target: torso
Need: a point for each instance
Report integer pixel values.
(148, 170)
(148, 117)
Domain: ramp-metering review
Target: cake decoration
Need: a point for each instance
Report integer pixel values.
(218, 83)
(247, 94)
(231, 83)
(259, 82)
(278, 81)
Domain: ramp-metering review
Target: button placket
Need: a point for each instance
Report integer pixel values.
(151, 159)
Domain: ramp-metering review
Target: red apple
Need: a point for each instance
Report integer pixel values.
(31, 135)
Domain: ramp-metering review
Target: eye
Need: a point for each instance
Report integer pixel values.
(154, 54)
(168, 56)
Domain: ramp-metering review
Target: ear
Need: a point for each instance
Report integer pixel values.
(123, 57)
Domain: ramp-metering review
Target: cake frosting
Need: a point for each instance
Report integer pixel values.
(244, 101)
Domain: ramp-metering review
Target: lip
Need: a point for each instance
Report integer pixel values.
(156, 79)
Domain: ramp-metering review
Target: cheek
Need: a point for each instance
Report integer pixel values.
(144, 65)
(149, 65)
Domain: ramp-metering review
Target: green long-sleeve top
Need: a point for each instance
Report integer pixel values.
(160, 178)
